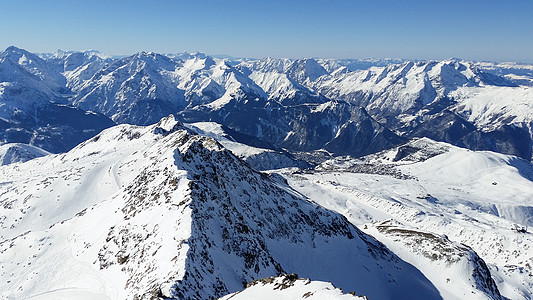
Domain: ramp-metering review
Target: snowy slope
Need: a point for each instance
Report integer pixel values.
(159, 211)
(455, 269)
(77, 67)
(475, 198)
(20, 90)
(12, 153)
(391, 92)
(519, 73)
(30, 106)
(290, 287)
(285, 80)
(258, 158)
(492, 107)
(132, 90)
(142, 88)
(37, 66)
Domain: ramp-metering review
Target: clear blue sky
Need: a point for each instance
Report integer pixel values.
(425, 29)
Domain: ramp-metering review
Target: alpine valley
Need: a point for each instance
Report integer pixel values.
(185, 176)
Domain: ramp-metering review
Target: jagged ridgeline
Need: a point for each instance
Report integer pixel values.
(174, 214)
(169, 203)
(353, 107)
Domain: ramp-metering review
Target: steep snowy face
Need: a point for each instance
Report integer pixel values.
(456, 270)
(299, 70)
(269, 64)
(480, 199)
(36, 66)
(143, 88)
(283, 80)
(30, 111)
(77, 67)
(389, 93)
(21, 91)
(491, 108)
(13, 153)
(335, 126)
(290, 287)
(302, 70)
(160, 212)
(133, 90)
(214, 83)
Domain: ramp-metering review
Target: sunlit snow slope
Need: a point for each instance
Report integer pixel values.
(289, 287)
(431, 197)
(161, 212)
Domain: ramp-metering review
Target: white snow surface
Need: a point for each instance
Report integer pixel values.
(259, 158)
(16, 152)
(396, 89)
(479, 199)
(157, 210)
(286, 288)
(491, 107)
(48, 205)
(215, 131)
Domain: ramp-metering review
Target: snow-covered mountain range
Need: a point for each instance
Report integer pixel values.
(340, 106)
(175, 214)
(33, 105)
(250, 178)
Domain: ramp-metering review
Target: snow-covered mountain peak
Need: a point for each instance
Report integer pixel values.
(269, 64)
(305, 69)
(17, 152)
(152, 60)
(62, 54)
(19, 55)
(12, 71)
(195, 63)
(136, 89)
(22, 92)
(396, 93)
(187, 55)
(35, 65)
(167, 125)
(179, 216)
